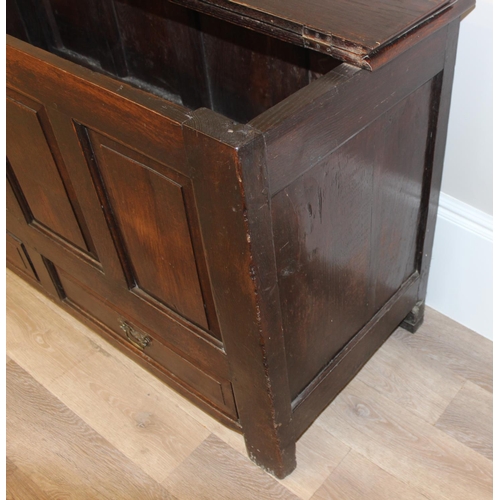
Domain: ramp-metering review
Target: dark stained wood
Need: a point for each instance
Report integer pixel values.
(147, 363)
(28, 20)
(191, 341)
(323, 258)
(16, 200)
(352, 239)
(141, 25)
(108, 280)
(354, 26)
(366, 34)
(458, 9)
(14, 207)
(15, 24)
(298, 136)
(342, 369)
(210, 63)
(77, 33)
(269, 70)
(266, 262)
(30, 264)
(397, 190)
(46, 75)
(243, 275)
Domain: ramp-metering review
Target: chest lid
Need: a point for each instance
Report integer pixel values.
(350, 30)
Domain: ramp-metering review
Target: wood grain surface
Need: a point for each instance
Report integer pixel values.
(414, 451)
(452, 347)
(128, 434)
(71, 457)
(362, 24)
(357, 478)
(469, 419)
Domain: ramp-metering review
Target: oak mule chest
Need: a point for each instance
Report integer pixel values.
(240, 196)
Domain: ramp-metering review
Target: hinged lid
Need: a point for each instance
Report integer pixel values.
(351, 30)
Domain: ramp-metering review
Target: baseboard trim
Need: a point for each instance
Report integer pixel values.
(465, 216)
(461, 274)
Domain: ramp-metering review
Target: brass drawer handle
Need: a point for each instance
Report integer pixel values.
(140, 340)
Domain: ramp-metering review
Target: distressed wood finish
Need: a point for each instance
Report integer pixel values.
(246, 218)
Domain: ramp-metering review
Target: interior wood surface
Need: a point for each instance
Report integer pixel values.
(84, 421)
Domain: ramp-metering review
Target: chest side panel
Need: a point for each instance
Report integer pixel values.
(346, 235)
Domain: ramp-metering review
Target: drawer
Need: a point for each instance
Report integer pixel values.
(138, 337)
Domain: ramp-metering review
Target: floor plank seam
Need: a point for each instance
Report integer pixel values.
(451, 401)
(334, 469)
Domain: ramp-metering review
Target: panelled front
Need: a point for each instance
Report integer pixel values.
(346, 235)
(136, 258)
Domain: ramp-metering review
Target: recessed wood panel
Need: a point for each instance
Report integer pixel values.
(346, 235)
(149, 210)
(323, 258)
(397, 190)
(37, 174)
(18, 257)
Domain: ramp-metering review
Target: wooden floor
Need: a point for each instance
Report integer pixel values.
(84, 422)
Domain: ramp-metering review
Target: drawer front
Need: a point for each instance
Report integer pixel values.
(138, 337)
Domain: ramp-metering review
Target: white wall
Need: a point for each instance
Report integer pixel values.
(468, 173)
(461, 277)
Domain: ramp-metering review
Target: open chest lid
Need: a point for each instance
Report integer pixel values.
(354, 31)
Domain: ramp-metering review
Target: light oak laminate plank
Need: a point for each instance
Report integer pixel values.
(318, 454)
(418, 386)
(39, 339)
(135, 418)
(64, 455)
(356, 478)
(47, 308)
(405, 446)
(469, 419)
(20, 486)
(444, 343)
(216, 471)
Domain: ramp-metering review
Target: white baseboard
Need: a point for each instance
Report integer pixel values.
(461, 274)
